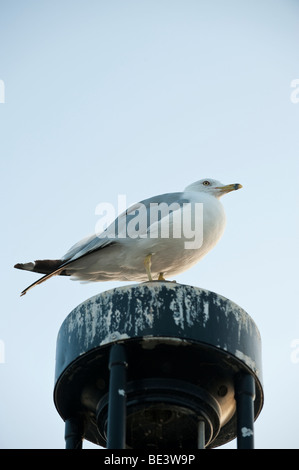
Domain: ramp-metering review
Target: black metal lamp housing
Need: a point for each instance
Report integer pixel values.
(187, 372)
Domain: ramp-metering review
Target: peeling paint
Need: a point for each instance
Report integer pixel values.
(247, 360)
(206, 306)
(115, 336)
(163, 309)
(155, 322)
(246, 432)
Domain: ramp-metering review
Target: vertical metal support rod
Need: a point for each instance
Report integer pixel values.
(116, 433)
(245, 396)
(73, 433)
(201, 438)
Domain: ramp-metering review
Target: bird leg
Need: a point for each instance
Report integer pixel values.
(147, 264)
(161, 277)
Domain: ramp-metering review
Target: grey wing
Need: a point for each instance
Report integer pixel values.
(147, 211)
(117, 231)
(86, 246)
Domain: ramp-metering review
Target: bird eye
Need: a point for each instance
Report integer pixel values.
(206, 183)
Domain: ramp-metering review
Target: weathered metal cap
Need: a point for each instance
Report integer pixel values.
(184, 347)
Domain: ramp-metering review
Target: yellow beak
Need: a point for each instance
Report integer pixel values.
(229, 187)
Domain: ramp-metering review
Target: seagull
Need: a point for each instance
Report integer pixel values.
(158, 237)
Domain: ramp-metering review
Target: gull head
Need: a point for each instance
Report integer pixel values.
(212, 187)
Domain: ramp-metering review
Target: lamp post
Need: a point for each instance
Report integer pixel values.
(158, 365)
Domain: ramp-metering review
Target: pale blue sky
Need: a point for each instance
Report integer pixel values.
(139, 98)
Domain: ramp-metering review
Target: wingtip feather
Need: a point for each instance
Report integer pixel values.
(25, 266)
